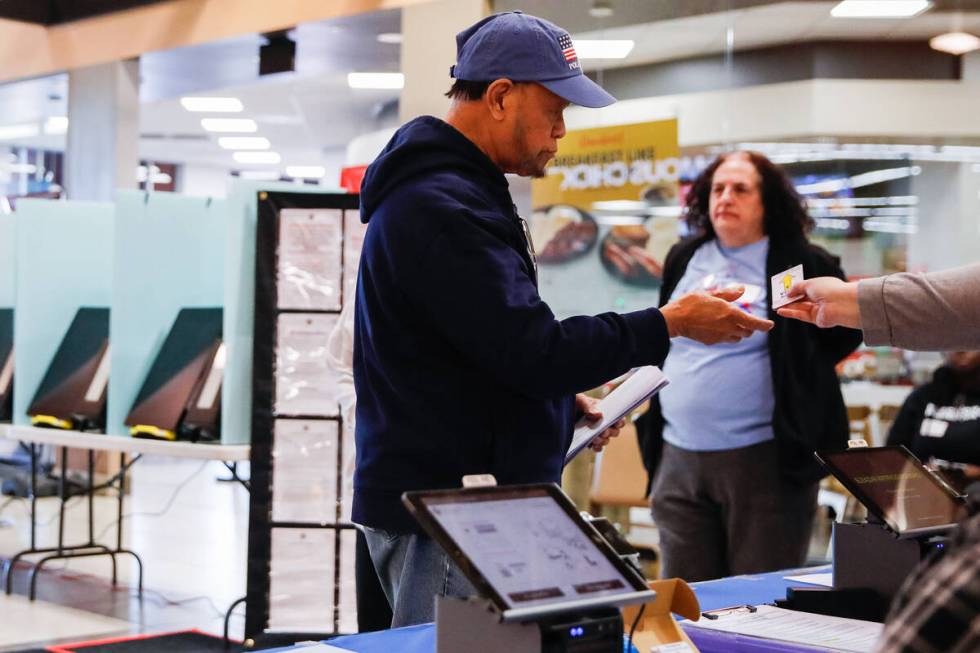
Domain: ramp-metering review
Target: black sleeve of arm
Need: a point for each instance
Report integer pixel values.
(908, 421)
(837, 342)
(477, 292)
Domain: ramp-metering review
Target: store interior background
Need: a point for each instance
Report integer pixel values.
(864, 104)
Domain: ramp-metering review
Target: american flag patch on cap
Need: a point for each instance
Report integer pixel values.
(567, 49)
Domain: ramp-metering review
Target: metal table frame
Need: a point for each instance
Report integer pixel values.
(228, 455)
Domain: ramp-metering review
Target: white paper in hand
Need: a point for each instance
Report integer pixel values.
(642, 384)
(781, 284)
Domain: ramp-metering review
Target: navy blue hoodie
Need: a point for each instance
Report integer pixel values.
(459, 366)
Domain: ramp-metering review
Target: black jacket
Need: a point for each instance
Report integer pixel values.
(809, 412)
(942, 399)
(459, 366)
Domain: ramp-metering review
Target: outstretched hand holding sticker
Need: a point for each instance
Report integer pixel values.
(782, 282)
(825, 302)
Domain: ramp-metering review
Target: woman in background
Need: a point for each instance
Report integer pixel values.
(729, 443)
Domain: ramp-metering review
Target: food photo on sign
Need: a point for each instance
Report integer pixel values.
(606, 214)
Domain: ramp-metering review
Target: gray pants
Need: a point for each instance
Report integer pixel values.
(413, 570)
(725, 513)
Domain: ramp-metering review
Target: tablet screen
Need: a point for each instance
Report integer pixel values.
(528, 548)
(895, 486)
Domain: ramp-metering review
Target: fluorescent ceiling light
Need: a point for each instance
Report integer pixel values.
(376, 80)
(620, 205)
(857, 181)
(603, 49)
(230, 125)
(391, 38)
(833, 223)
(213, 104)
(244, 142)
(56, 126)
(955, 43)
(21, 168)
(306, 172)
(891, 200)
(257, 157)
(261, 175)
(879, 8)
(890, 227)
(601, 9)
(25, 130)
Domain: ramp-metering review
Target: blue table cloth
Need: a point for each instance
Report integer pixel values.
(723, 593)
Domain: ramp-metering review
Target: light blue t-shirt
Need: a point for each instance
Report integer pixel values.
(721, 396)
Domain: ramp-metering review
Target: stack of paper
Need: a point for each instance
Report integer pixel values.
(642, 384)
(815, 630)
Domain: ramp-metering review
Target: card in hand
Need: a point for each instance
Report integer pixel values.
(781, 284)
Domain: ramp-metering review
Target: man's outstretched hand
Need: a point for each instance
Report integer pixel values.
(711, 318)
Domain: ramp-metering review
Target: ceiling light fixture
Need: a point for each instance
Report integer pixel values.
(213, 104)
(880, 8)
(376, 80)
(601, 9)
(56, 125)
(257, 157)
(230, 125)
(859, 180)
(391, 38)
(260, 175)
(244, 142)
(22, 168)
(603, 49)
(306, 172)
(25, 130)
(955, 43)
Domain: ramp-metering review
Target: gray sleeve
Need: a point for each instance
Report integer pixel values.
(938, 311)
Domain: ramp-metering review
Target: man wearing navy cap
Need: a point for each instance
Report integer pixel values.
(459, 366)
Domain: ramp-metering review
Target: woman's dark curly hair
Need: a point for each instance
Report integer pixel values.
(785, 216)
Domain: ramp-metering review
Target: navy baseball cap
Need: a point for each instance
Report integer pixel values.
(524, 48)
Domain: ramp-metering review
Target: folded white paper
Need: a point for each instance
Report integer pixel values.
(642, 384)
(824, 579)
(816, 630)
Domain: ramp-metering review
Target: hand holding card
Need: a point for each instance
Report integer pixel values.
(825, 302)
(782, 282)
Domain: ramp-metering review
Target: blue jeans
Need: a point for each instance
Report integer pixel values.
(413, 570)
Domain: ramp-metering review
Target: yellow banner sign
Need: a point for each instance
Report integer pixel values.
(625, 162)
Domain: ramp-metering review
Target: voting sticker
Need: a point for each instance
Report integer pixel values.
(781, 284)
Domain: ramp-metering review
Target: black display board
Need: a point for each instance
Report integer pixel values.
(268, 315)
(6, 363)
